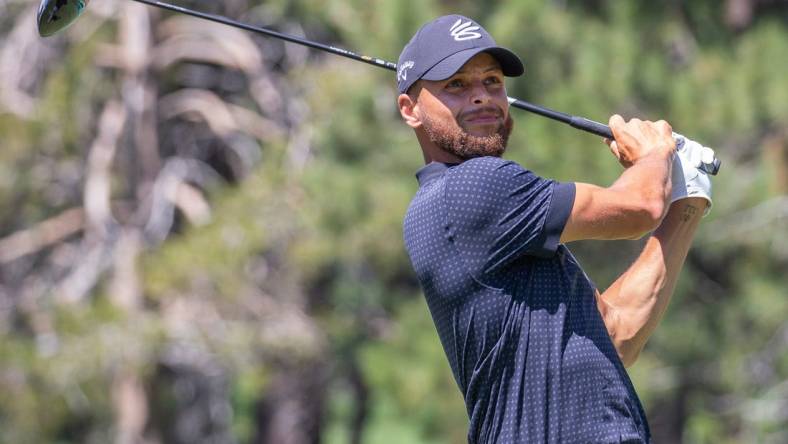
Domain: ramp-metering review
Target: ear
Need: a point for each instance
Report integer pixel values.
(407, 109)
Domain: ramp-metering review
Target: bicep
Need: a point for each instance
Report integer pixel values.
(607, 213)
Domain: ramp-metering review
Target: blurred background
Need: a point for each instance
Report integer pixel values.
(200, 228)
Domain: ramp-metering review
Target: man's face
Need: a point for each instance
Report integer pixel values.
(468, 113)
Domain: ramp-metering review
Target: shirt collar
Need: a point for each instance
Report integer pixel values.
(432, 171)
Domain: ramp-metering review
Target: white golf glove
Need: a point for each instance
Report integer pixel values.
(687, 179)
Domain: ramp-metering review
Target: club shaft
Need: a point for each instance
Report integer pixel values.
(580, 123)
(286, 37)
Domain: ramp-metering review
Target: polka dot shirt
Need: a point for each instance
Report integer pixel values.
(513, 309)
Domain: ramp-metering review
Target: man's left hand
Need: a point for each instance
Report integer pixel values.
(687, 179)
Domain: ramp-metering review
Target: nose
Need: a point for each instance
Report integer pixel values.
(479, 94)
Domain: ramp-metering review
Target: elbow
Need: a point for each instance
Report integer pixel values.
(628, 339)
(628, 354)
(624, 338)
(628, 349)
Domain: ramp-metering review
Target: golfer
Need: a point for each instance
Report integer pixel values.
(536, 349)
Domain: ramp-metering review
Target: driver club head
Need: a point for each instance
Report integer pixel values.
(56, 15)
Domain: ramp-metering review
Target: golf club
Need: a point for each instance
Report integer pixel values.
(56, 15)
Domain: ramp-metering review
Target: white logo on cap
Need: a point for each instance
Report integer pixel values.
(464, 31)
(402, 72)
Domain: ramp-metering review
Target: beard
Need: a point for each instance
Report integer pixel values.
(452, 138)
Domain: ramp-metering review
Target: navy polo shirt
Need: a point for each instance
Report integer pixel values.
(516, 314)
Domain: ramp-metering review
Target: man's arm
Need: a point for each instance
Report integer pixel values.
(633, 306)
(635, 204)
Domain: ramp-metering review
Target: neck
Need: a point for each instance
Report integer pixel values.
(432, 153)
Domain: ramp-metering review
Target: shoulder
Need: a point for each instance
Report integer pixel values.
(485, 166)
(492, 174)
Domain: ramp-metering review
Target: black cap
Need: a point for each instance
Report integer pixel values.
(441, 47)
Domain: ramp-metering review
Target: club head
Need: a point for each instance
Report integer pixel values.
(56, 15)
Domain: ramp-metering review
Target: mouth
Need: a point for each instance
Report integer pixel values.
(484, 120)
(487, 116)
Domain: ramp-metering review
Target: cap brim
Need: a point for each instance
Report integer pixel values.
(510, 63)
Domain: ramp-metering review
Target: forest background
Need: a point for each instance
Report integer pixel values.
(200, 228)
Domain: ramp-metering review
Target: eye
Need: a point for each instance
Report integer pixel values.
(455, 83)
(492, 80)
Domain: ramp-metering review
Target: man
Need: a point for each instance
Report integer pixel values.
(537, 351)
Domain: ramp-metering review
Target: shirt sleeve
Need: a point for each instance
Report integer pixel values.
(498, 212)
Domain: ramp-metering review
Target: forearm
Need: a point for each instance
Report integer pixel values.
(633, 206)
(633, 306)
(648, 181)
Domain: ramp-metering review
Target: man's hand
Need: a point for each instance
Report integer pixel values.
(687, 179)
(639, 139)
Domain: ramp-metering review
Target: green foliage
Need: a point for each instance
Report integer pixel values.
(301, 267)
(426, 399)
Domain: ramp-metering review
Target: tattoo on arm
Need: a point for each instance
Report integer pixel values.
(689, 212)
